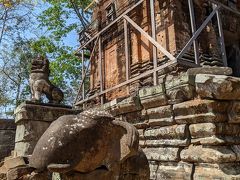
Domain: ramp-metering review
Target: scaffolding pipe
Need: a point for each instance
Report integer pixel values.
(221, 36)
(193, 27)
(83, 72)
(127, 57)
(197, 33)
(100, 67)
(153, 27)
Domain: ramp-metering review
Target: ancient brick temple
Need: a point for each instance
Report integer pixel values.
(126, 52)
(170, 68)
(167, 75)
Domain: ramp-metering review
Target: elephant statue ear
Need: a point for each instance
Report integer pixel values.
(129, 141)
(97, 114)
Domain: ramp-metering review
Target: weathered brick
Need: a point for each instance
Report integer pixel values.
(200, 111)
(167, 132)
(209, 154)
(217, 171)
(162, 154)
(160, 116)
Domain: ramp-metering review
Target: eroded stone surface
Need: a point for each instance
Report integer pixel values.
(171, 170)
(31, 131)
(234, 112)
(168, 132)
(13, 162)
(218, 87)
(153, 97)
(19, 172)
(180, 93)
(217, 171)
(216, 140)
(166, 142)
(127, 105)
(94, 146)
(200, 111)
(202, 130)
(208, 154)
(162, 154)
(208, 129)
(23, 148)
(178, 80)
(32, 120)
(161, 116)
(179, 88)
(41, 112)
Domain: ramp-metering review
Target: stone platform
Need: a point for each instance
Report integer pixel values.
(189, 124)
(32, 119)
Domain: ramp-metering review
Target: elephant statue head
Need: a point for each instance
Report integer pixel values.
(91, 145)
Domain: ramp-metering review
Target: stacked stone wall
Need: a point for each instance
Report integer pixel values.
(188, 125)
(7, 135)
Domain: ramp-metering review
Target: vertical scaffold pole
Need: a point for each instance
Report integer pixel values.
(83, 78)
(100, 67)
(193, 27)
(221, 36)
(153, 28)
(127, 52)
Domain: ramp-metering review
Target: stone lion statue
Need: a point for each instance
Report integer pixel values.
(40, 84)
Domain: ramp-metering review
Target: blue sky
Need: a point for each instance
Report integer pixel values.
(70, 40)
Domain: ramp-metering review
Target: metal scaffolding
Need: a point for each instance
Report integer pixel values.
(127, 21)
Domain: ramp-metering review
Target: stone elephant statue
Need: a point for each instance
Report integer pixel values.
(91, 145)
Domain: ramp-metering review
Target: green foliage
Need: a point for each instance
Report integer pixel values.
(22, 38)
(60, 18)
(64, 16)
(14, 73)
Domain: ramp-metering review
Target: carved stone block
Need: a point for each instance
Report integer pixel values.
(41, 112)
(200, 111)
(209, 129)
(173, 170)
(168, 132)
(166, 142)
(209, 154)
(160, 116)
(218, 87)
(162, 154)
(127, 105)
(153, 97)
(234, 112)
(179, 88)
(217, 171)
(32, 120)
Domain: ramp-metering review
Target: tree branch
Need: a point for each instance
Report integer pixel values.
(75, 8)
(9, 77)
(4, 24)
